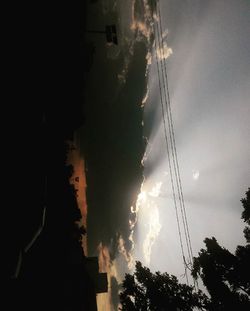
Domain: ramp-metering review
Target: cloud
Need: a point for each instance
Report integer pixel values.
(156, 190)
(108, 6)
(145, 98)
(151, 219)
(154, 228)
(114, 160)
(163, 52)
(78, 179)
(142, 19)
(145, 203)
(149, 58)
(106, 301)
(126, 254)
(146, 207)
(140, 30)
(116, 287)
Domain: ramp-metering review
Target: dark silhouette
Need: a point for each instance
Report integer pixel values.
(51, 268)
(225, 275)
(158, 291)
(246, 214)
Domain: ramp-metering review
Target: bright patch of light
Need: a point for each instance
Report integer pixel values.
(164, 52)
(156, 190)
(146, 207)
(196, 175)
(142, 197)
(154, 228)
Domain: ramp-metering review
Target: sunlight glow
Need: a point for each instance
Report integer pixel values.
(196, 174)
(146, 208)
(156, 190)
(154, 228)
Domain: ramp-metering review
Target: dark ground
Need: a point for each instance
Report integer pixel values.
(42, 105)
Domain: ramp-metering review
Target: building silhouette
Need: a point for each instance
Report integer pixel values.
(99, 280)
(96, 282)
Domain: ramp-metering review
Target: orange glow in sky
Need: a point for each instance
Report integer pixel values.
(78, 179)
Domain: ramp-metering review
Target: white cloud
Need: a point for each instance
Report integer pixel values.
(146, 204)
(154, 228)
(156, 190)
(127, 254)
(164, 52)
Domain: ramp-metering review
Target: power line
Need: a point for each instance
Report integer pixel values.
(172, 138)
(159, 35)
(168, 154)
(160, 42)
(174, 150)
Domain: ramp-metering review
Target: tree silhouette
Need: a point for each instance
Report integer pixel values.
(226, 275)
(246, 214)
(145, 290)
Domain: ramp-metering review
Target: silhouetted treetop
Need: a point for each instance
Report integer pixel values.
(145, 290)
(226, 275)
(246, 214)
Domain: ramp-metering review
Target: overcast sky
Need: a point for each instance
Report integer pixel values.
(209, 84)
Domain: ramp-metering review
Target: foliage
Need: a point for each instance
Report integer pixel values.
(246, 214)
(225, 275)
(158, 291)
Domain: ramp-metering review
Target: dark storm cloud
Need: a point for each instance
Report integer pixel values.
(115, 292)
(114, 151)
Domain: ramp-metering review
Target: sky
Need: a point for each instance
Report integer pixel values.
(130, 205)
